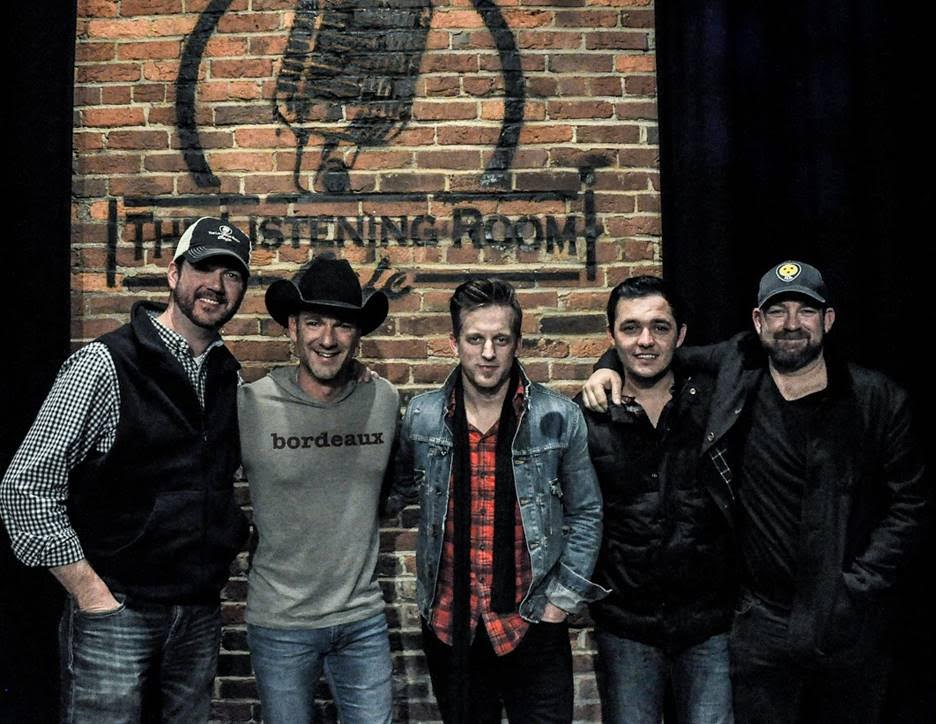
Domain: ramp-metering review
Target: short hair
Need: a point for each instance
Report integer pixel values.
(645, 286)
(477, 293)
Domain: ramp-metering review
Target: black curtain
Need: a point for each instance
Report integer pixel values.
(795, 130)
(39, 119)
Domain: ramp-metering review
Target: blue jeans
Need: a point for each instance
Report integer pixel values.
(143, 660)
(356, 661)
(632, 681)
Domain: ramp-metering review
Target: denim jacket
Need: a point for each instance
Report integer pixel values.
(560, 503)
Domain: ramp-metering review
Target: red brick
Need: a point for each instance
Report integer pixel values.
(97, 8)
(162, 162)
(87, 96)
(579, 109)
(265, 351)
(240, 161)
(142, 186)
(112, 117)
(440, 85)
(241, 68)
(549, 39)
(581, 62)
(161, 70)
(645, 157)
(450, 63)
(92, 141)
(447, 159)
(483, 86)
(618, 133)
(107, 73)
(640, 85)
(116, 95)
(249, 22)
(149, 50)
(123, 28)
(533, 134)
(527, 18)
(473, 134)
(149, 92)
(138, 139)
(447, 111)
(586, 18)
(637, 18)
(89, 52)
(108, 164)
(257, 45)
(224, 46)
(460, 19)
(394, 348)
(642, 110)
(635, 63)
(617, 40)
(149, 7)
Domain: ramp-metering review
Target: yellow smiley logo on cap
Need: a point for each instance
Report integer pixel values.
(788, 272)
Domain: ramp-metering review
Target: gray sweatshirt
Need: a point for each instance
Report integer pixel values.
(315, 471)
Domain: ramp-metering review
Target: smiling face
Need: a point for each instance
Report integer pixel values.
(792, 330)
(645, 335)
(486, 346)
(207, 292)
(325, 346)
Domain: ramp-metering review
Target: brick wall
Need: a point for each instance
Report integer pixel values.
(517, 139)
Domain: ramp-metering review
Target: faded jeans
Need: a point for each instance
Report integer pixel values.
(356, 661)
(141, 662)
(633, 676)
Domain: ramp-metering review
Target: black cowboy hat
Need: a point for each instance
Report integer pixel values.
(329, 285)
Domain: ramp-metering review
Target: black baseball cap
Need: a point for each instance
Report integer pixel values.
(209, 237)
(792, 277)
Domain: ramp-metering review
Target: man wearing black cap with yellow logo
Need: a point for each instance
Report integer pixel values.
(826, 489)
(123, 487)
(316, 446)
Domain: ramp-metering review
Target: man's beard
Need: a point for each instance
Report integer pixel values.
(187, 306)
(787, 359)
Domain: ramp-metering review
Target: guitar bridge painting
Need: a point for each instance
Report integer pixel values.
(346, 82)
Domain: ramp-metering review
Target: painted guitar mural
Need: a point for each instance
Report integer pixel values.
(348, 77)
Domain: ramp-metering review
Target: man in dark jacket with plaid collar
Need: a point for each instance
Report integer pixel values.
(827, 490)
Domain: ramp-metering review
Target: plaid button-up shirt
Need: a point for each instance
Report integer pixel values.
(505, 630)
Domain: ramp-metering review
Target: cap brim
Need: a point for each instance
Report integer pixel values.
(283, 300)
(201, 253)
(793, 289)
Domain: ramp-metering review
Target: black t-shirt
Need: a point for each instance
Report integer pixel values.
(773, 476)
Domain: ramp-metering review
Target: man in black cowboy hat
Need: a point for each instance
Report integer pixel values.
(124, 489)
(316, 445)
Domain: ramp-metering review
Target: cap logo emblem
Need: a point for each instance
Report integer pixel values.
(225, 233)
(788, 272)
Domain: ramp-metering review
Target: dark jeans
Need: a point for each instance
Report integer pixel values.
(533, 682)
(141, 662)
(632, 679)
(774, 685)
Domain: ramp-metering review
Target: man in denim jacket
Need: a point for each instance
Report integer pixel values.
(510, 522)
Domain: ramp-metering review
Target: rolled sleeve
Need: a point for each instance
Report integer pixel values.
(79, 414)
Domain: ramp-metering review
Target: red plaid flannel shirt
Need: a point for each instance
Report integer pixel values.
(505, 630)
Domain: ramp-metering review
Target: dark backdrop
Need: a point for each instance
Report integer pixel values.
(795, 130)
(787, 130)
(38, 112)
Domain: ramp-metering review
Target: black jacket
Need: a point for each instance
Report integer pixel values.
(864, 511)
(667, 552)
(156, 514)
